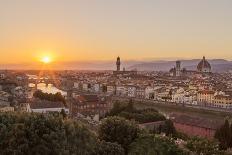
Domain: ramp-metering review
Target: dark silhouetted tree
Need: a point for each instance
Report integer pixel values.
(224, 135)
(108, 148)
(119, 130)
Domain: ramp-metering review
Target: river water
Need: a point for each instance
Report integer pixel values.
(50, 88)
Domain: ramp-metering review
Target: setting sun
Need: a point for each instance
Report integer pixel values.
(46, 59)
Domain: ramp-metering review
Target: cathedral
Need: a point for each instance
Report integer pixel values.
(177, 71)
(204, 66)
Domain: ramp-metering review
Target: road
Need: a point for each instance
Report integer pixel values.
(165, 103)
(173, 104)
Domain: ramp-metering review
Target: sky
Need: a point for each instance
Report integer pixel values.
(89, 30)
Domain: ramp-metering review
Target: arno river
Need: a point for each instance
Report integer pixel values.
(50, 88)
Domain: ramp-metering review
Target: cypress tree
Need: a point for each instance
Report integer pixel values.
(223, 134)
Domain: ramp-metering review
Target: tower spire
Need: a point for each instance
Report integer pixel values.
(118, 63)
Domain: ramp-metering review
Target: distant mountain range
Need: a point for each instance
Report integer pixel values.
(218, 65)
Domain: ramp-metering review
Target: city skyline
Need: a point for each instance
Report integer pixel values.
(116, 77)
(80, 31)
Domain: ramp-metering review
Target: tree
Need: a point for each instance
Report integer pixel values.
(129, 112)
(108, 148)
(154, 145)
(117, 108)
(40, 134)
(203, 146)
(63, 113)
(224, 135)
(49, 96)
(230, 142)
(119, 130)
(130, 106)
(169, 128)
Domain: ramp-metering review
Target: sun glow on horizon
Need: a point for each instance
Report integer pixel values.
(46, 59)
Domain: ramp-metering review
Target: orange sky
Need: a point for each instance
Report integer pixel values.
(79, 30)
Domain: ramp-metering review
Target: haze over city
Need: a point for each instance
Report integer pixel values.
(80, 31)
(115, 77)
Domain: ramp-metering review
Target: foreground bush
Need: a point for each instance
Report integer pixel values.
(118, 130)
(28, 134)
(57, 97)
(108, 148)
(154, 145)
(128, 111)
(203, 146)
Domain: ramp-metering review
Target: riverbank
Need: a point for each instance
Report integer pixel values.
(174, 108)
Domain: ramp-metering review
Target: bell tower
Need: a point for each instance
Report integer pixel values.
(118, 63)
(178, 70)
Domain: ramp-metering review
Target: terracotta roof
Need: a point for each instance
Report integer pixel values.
(206, 92)
(223, 96)
(88, 98)
(42, 104)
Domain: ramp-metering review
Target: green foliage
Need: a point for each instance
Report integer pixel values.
(28, 134)
(154, 145)
(63, 113)
(181, 135)
(108, 148)
(203, 146)
(129, 112)
(49, 96)
(224, 135)
(167, 128)
(117, 108)
(119, 130)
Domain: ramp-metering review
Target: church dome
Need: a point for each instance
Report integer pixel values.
(204, 66)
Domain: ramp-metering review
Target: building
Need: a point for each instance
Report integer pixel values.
(111, 89)
(43, 106)
(90, 105)
(76, 85)
(214, 99)
(24, 107)
(177, 71)
(6, 108)
(118, 72)
(183, 96)
(131, 91)
(140, 92)
(2, 76)
(96, 87)
(204, 66)
(205, 97)
(121, 90)
(118, 63)
(195, 126)
(149, 92)
(223, 101)
(4, 98)
(86, 86)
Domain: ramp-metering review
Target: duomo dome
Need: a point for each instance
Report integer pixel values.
(204, 66)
